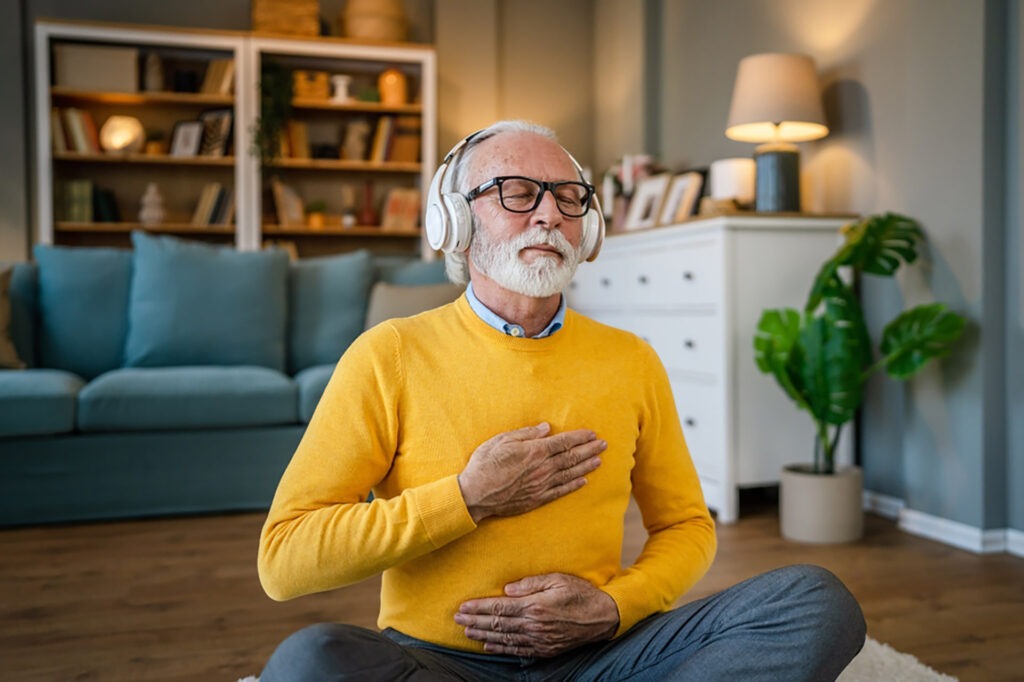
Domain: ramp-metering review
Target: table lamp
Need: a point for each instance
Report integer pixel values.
(776, 101)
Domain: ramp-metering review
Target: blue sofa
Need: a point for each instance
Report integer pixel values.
(173, 378)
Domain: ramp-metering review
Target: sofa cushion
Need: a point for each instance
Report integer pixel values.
(23, 297)
(198, 304)
(327, 307)
(151, 398)
(8, 353)
(394, 300)
(312, 381)
(397, 270)
(83, 301)
(38, 402)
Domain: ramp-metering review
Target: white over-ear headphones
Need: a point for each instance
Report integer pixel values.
(448, 221)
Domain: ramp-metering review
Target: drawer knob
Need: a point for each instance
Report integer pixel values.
(690, 343)
(690, 421)
(688, 276)
(572, 284)
(605, 282)
(642, 279)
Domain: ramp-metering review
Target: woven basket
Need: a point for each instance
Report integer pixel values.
(375, 20)
(290, 17)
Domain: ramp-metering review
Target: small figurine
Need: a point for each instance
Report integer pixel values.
(152, 211)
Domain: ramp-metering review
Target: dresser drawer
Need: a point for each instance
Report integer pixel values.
(690, 343)
(701, 412)
(689, 274)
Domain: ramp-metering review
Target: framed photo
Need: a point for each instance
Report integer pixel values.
(185, 138)
(643, 208)
(681, 201)
(216, 136)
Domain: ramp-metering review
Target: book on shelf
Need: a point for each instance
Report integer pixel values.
(219, 77)
(405, 142)
(382, 139)
(78, 201)
(401, 209)
(288, 203)
(298, 139)
(206, 203)
(81, 131)
(57, 137)
(104, 206)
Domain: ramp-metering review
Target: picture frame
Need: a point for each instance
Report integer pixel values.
(216, 132)
(682, 198)
(186, 138)
(647, 199)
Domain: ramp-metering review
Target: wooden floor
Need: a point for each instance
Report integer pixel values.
(179, 599)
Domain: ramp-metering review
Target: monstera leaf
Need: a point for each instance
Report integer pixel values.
(877, 245)
(917, 336)
(830, 371)
(777, 333)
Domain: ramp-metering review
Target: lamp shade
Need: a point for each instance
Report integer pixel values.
(776, 97)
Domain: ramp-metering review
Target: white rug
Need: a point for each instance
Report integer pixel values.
(878, 661)
(875, 662)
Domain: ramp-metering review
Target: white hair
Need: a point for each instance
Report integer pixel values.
(456, 264)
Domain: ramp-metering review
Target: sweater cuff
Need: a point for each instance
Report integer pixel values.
(442, 511)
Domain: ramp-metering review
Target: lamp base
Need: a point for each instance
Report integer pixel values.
(777, 178)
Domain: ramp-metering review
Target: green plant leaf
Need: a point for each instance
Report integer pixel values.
(918, 335)
(880, 244)
(777, 333)
(830, 370)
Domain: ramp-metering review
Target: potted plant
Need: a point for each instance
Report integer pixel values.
(275, 109)
(822, 357)
(316, 214)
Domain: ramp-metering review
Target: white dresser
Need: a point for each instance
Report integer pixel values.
(695, 291)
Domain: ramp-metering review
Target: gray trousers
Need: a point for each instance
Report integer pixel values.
(794, 623)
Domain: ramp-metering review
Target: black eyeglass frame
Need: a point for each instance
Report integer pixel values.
(545, 186)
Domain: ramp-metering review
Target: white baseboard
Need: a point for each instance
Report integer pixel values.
(883, 505)
(1015, 542)
(953, 533)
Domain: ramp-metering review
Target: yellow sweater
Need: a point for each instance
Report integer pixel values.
(406, 407)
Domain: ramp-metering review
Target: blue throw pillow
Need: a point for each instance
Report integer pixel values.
(83, 305)
(328, 298)
(409, 272)
(196, 304)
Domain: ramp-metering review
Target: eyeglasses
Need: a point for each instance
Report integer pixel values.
(522, 195)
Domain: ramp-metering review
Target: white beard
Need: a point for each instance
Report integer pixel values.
(500, 261)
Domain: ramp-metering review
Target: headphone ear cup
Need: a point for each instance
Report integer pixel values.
(435, 217)
(460, 223)
(593, 234)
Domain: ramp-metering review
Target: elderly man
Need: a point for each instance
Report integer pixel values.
(502, 436)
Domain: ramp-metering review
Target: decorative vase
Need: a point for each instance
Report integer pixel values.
(393, 87)
(821, 508)
(340, 84)
(152, 211)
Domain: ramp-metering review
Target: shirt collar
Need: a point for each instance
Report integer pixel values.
(505, 327)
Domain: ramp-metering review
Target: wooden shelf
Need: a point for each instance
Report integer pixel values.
(271, 230)
(356, 106)
(176, 228)
(64, 94)
(344, 165)
(151, 159)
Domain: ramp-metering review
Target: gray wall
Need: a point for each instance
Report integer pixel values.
(1015, 267)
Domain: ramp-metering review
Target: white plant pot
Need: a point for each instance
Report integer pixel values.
(821, 508)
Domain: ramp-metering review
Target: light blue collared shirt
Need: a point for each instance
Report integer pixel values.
(492, 319)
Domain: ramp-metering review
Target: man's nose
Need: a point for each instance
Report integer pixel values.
(547, 213)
